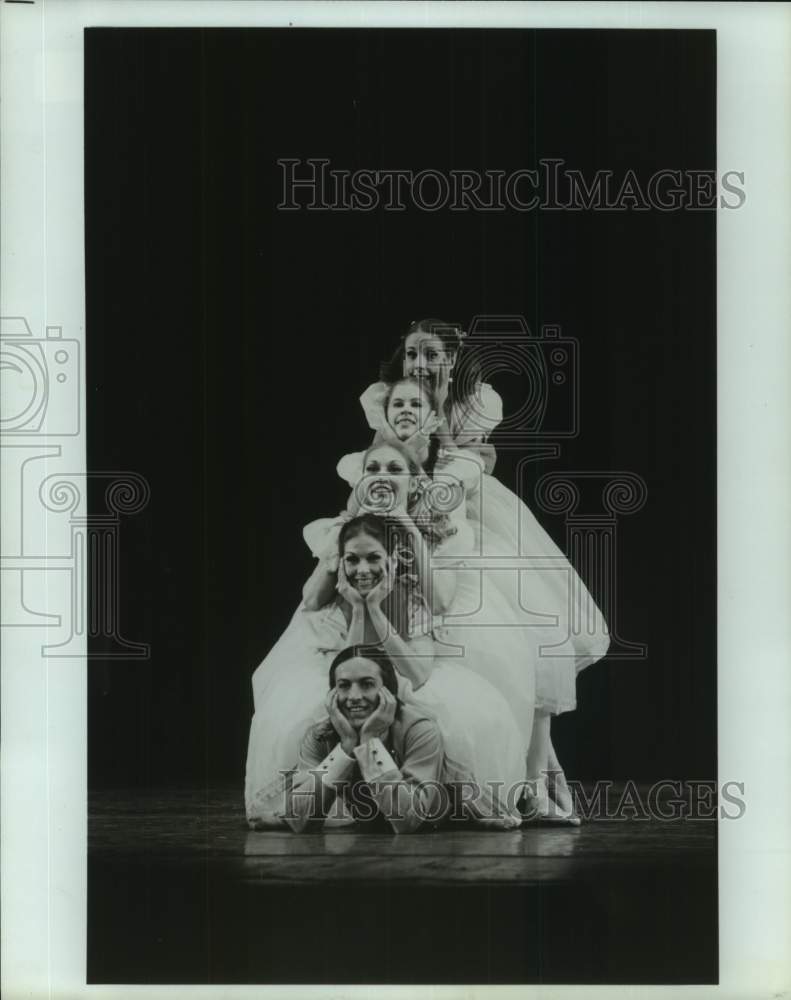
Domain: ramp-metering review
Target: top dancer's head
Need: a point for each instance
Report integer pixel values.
(430, 350)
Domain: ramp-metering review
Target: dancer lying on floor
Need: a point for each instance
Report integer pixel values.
(374, 757)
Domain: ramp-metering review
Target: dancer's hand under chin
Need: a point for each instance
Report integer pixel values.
(340, 723)
(383, 589)
(346, 590)
(378, 724)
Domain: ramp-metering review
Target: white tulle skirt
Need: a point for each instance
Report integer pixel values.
(554, 628)
(289, 688)
(483, 744)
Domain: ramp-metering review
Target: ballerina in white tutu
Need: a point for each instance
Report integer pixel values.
(367, 587)
(568, 629)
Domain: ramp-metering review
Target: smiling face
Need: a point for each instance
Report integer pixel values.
(387, 480)
(425, 356)
(365, 562)
(358, 683)
(407, 409)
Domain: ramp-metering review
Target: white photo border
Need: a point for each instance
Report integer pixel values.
(44, 714)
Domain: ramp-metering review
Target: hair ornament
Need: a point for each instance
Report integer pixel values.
(422, 483)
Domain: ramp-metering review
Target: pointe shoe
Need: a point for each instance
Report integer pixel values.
(539, 807)
(557, 786)
(558, 789)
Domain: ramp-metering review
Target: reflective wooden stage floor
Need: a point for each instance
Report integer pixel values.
(180, 891)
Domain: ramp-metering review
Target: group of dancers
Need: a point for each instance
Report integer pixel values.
(438, 634)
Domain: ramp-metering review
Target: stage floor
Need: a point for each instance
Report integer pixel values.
(199, 827)
(180, 891)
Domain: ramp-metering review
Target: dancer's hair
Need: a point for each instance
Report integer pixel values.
(368, 652)
(420, 384)
(412, 463)
(375, 525)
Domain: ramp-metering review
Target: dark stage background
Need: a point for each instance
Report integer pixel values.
(228, 343)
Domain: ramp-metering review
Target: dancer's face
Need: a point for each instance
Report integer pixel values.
(386, 481)
(358, 683)
(365, 562)
(407, 409)
(425, 357)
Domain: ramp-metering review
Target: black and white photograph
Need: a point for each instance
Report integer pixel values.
(393, 569)
(428, 565)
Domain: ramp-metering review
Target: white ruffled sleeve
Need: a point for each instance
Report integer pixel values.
(473, 422)
(476, 417)
(373, 404)
(350, 467)
(484, 412)
(321, 537)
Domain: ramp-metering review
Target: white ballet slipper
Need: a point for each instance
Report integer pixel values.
(557, 786)
(539, 807)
